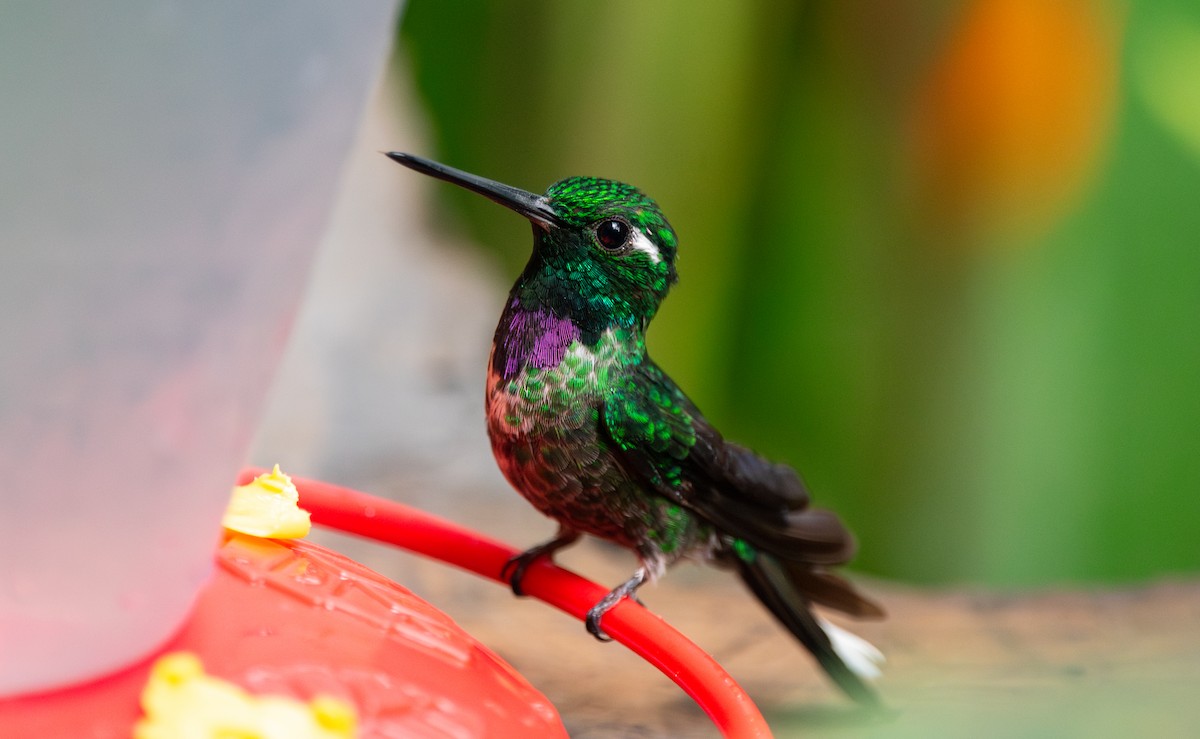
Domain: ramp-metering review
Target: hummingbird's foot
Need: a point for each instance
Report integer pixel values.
(514, 569)
(606, 604)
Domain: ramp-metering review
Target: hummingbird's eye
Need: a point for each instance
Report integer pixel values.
(612, 233)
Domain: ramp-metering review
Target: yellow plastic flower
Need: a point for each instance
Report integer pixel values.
(268, 507)
(180, 701)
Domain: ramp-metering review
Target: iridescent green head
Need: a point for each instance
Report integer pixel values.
(619, 222)
(603, 255)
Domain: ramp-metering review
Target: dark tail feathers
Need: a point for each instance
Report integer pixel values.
(768, 578)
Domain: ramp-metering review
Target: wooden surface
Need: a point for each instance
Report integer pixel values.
(1047, 664)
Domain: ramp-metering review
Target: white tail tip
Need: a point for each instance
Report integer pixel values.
(861, 656)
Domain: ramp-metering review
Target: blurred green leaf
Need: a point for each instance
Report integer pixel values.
(982, 402)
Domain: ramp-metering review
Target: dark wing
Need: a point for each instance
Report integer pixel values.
(663, 440)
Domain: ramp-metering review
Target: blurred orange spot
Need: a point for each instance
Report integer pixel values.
(1013, 113)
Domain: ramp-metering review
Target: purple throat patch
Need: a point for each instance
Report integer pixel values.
(535, 338)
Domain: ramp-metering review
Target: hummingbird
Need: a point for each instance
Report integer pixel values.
(597, 437)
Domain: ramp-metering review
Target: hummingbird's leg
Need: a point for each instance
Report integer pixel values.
(513, 570)
(627, 588)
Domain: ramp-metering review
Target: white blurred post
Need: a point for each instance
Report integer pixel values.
(166, 169)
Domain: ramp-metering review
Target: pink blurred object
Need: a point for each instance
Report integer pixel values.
(168, 169)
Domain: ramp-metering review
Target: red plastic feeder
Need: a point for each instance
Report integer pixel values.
(291, 618)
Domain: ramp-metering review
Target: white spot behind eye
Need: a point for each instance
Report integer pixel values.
(642, 243)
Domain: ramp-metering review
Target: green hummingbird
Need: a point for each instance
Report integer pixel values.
(591, 432)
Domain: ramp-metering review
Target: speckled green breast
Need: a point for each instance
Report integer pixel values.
(544, 426)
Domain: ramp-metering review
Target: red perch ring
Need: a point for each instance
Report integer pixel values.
(643, 632)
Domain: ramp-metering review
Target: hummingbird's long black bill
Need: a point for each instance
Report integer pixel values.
(533, 207)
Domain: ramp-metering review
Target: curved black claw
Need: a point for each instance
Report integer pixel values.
(593, 624)
(627, 589)
(513, 571)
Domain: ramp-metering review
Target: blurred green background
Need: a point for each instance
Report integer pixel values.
(942, 257)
